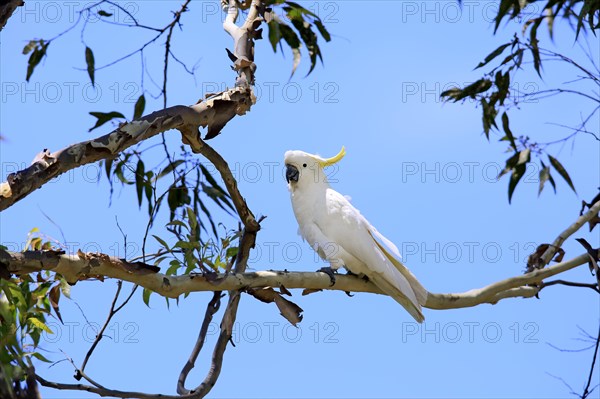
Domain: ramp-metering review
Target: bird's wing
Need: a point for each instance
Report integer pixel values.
(391, 252)
(345, 226)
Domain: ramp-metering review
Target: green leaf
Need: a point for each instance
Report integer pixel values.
(40, 325)
(212, 181)
(120, 175)
(322, 30)
(139, 180)
(170, 167)
(41, 357)
(36, 56)
(231, 252)
(552, 182)
(103, 13)
(493, 55)
(544, 176)
(310, 40)
(192, 219)
(89, 60)
(535, 50)
(471, 90)
(146, 296)
(140, 105)
(300, 9)
(104, 117)
(177, 197)
(185, 245)
(516, 175)
(30, 46)
(508, 132)
(582, 13)
(489, 113)
(502, 11)
(274, 34)
(207, 213)
(148, 189)
(291, 38)
(550, 18)
(502, 82)
(108, 167)
(519, 158)
(178, 223)
(561, 171)
(172, 270)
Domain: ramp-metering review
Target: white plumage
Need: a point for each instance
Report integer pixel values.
(342, 236)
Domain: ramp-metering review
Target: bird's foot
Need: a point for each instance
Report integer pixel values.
(330, 272)
(360, 276)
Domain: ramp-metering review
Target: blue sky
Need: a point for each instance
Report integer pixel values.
(420, 170)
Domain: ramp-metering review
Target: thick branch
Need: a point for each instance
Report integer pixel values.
(214, 113)
(86, 266)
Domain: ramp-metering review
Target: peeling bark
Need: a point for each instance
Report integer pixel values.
(98, 266)
(213, 113)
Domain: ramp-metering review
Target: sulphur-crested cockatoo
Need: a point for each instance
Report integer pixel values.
(342, 236)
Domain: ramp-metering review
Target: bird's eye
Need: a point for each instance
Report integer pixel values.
(304, 165)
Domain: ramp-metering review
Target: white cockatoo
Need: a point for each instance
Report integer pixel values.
(338, 232)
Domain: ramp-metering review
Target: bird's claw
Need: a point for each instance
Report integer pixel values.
(330, 272)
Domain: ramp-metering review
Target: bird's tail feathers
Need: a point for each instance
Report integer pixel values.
(420, 291)
(388, 288)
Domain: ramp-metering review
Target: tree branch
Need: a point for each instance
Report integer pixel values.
(213, 113)
(212, 308)
(7, 7)
(108, 392)
(587, 392)
(243, 37)
(569, 231)
(87, 266)
(246, 216)
(100, 334)
(244, 51)
(508, 288)
(570, 284)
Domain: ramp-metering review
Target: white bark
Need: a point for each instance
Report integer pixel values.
(90, 266)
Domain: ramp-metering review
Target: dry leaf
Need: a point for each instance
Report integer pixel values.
(266, 295)
(289, 310)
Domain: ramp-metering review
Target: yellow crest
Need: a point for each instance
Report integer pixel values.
(333, 160)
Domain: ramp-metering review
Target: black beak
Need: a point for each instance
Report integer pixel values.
(291, 173)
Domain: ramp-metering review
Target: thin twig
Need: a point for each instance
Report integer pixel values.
(212, 308)
(100, 334)
(570, 284)
(587, 391)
